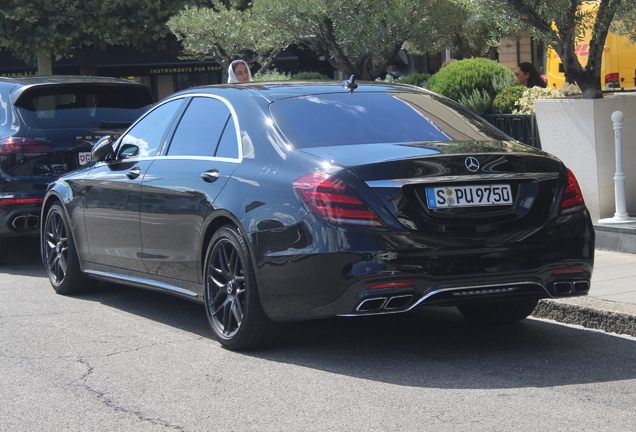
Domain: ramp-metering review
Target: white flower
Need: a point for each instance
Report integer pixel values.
(525, 104)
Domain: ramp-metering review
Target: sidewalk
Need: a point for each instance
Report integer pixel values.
(611, 303)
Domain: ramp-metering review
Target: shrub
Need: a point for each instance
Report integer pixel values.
(309, 76)
(461, 77)
(525, 104)
(479, 101)
(416, 79)
(506, 99)
(271, 75)
(387, 79)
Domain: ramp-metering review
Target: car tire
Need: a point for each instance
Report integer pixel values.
(232, 301)
(4, 250)
(59, 254)
(501, 312)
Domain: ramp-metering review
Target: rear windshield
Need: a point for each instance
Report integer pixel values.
(367, 118)
(82, 106)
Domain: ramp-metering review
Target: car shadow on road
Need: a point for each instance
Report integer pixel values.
(431, 347)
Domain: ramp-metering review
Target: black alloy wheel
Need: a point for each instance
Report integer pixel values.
(59, 254)
(231, 296)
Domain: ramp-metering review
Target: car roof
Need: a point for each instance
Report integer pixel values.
(16, 86)
(276, 90)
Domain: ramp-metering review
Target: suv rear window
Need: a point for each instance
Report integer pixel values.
(374, 117)
(84, 106)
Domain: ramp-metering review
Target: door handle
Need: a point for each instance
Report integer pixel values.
(211, 176)
(133, 173)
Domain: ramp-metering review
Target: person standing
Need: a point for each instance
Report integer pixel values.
(528, 76)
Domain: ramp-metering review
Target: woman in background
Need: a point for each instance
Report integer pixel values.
(238, 71)
(528, 76)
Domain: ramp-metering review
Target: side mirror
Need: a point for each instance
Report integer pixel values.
(102, 148)
(128, 151)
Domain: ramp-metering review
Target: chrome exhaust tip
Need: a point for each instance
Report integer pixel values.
(371, 305)
(563, 287)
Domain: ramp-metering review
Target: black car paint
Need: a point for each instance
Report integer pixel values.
(291, 247)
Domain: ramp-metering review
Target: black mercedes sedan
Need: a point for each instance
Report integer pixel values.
(277, 202)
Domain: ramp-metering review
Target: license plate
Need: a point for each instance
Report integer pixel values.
(84, 158)
(468, 196)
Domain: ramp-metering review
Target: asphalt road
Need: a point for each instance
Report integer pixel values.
(123, 359)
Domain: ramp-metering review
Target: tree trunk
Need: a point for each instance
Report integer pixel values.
(86, 66)
(271, 58)
(45, 64)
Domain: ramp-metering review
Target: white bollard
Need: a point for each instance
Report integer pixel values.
(621, 215)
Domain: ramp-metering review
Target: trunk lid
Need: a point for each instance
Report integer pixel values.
(469, 187)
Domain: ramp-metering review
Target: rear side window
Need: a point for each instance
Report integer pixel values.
(367, 118)
(206, 129)
(83, 106)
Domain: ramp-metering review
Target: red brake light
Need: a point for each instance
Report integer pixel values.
(24, 146)
(21, 201)
(334, 201)
(572, 201)
(392, 285)
(612, 78)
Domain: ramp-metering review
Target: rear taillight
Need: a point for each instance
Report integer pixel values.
(612, 80)
(331, 199)
(27, 147)
(572, 201)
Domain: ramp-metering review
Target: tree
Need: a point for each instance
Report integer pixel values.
(464, 27)
(42, 29)
(228, 33)
(561, 23)
(358, 37)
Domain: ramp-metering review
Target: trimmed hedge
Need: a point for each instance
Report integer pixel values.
(310, 76)
(416, 79)
(461, 78)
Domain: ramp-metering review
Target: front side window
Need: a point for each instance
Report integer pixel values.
(147, 136)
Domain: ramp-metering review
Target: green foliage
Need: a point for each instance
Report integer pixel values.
(358, 37)
(479, 101)
(387, 79)
(271, 75)
(303, 76)
(464, 26)
(500, 82)
(460, 78)
(55, 28)
(416, 79)
(504, 102)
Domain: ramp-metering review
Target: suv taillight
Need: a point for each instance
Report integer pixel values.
(572, 201)
(612, 80)
(331, 199)
(27, 147)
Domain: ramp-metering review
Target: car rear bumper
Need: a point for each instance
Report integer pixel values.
(19, 219)
(556, 261)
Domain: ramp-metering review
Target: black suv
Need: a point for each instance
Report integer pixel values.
(48, 125)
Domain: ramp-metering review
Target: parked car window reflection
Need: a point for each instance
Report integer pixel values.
(146, 135)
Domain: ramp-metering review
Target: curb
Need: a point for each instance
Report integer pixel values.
(589, 312)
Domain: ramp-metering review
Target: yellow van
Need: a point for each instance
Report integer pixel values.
(618, 66)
